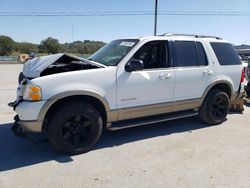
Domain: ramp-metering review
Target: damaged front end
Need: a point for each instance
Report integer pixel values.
(17, 130)
(48, 65)
(39, 67)
(57, 63)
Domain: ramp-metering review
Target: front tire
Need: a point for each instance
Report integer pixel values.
(215, 107)
(74, 128)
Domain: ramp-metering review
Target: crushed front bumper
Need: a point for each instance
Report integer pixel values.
(27, 118)
(30, 126)
(21, 127)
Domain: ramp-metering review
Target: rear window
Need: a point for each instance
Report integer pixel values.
(225, 53)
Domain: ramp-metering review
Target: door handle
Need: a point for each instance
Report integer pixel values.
(207, 72)
(165, 76)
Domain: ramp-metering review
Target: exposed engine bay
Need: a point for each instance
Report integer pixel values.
(57, 63)
(66, 64)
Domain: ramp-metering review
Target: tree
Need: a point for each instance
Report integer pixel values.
(50, 46)
(25, 47)
(82, 47)
(6, 45)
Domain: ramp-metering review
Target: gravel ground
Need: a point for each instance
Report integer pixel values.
(180, 153)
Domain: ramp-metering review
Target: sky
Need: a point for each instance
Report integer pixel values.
(235, 29)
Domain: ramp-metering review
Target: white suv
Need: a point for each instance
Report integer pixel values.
(128, 82)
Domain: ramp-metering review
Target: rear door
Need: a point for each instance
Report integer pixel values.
(192, 70)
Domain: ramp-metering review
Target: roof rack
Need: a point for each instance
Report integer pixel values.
(189, 35)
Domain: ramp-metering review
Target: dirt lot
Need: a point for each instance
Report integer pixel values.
(181, 153)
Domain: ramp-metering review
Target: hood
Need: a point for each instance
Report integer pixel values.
(56, 63)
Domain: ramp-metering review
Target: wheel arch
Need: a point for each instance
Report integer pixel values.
(223, 85)
(95, 99)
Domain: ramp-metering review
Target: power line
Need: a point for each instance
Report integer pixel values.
(120, 13)
(133, 11)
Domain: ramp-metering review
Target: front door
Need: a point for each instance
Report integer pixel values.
(148, 91)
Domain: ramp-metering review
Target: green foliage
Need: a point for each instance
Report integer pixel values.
(6, 45)
(82, 47)
(50, 46)
(25, 47)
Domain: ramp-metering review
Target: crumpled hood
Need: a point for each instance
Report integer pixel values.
(33, 68)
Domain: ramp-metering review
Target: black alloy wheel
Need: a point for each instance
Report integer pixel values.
(219, 107)
(77, 130)
(74, 127)
(215, 107)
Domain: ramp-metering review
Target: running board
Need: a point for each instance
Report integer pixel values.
(150, 120)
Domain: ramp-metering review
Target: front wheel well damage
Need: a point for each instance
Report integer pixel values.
(96, 103)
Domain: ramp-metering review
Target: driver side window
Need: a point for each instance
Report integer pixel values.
(153, 54)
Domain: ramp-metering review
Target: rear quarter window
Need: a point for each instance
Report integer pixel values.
(202, 58)
(225, 53)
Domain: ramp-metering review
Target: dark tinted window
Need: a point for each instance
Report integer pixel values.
(153, 55)
(225, 53)
(184, 53)
(202, 58)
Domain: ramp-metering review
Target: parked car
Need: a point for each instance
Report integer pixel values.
(128, 82)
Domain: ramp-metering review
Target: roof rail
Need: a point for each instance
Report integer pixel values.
(189, 35)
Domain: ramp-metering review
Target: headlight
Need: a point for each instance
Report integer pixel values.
(32, 93)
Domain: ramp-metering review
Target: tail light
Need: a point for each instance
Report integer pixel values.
(242, 76)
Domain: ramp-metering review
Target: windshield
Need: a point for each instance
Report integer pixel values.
(112, 53)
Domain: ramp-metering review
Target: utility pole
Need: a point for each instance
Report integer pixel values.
(72, 33)
(155, 28)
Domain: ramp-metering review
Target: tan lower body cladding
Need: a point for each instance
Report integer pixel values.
(148, 110)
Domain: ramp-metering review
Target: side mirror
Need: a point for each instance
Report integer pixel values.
(134, 65)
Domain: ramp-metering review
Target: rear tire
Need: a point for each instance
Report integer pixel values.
(215, 107)
(74, 128)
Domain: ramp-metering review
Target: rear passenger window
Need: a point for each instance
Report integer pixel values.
(202, 58)
(225, 53)
(184, 54)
